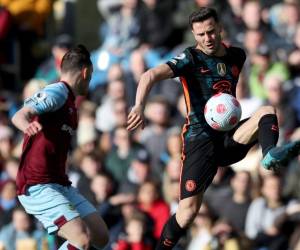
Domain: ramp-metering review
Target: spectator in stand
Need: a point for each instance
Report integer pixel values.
(105, 117)
(138, 173)
(90, 165)
(262, 213)
(171, 177)
(284, 18)
(277, 97)
(253, 39)
(200, 231)
(173, 145)
(154, 136)
(6, 142)
(150, 202)
(22, 232)
(49, 70)
(155, 29)
(252, 19)
(235, 206)
(8, 201)
(294, 56)
(249, 104)
(30, 18)
(121, 35)
(135, 234)
(226, 237)
(119, 158)
(219, 189)
(262, 65)
(11, 166)
(181, 112)
(118, 208)
(291, 189)
(137, 66)
(86, 135)
(232, 19)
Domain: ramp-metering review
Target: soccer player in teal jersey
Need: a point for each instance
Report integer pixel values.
(206, 69)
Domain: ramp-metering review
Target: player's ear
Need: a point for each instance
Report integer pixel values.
(84, 72)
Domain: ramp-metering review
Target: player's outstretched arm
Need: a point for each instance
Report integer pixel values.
(151, 76)
(22, 120)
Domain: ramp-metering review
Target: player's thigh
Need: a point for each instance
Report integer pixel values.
(49, 204)
(188, 209)
(98, 229)
(198, 167)
(75, 231)
(248, 131)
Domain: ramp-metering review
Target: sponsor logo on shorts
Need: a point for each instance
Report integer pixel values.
(168, 243)
(275, 128)
(71, 207)
(67, 129)
(190, 185)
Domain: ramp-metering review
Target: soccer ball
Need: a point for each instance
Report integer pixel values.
(222, 112)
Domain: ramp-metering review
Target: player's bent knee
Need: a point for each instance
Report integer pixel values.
(98, 230)
(83, 240)
(76, 232)
(187, 211)
(266, 110)
(101, 241)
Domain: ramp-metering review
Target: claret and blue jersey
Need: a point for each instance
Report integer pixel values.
(44, 154)
(202, 76)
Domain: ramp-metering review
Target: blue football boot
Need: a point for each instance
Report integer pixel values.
(280, 156)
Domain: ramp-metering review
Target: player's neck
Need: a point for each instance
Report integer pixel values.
(221, 51)
(70, 80)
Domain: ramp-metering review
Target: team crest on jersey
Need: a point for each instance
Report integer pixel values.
(180, 57)
(190, 185)
(36, 98)
(221, 67)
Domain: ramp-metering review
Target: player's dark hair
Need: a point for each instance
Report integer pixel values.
(75, 59)
(203, 14)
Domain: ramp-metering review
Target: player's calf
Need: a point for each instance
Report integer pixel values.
(177, 225)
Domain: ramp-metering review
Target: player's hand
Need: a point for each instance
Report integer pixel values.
(136, 118)
(33, 128)
(120, 199)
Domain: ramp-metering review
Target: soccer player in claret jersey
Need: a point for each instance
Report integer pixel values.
(48, 120)
(205, 69)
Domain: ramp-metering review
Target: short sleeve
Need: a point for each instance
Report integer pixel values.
(181, 64)
(49, 99)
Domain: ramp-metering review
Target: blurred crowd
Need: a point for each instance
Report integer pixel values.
(133, 177)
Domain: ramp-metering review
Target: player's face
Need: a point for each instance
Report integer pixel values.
(208, 36)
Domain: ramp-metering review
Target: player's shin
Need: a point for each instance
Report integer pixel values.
(170, 235)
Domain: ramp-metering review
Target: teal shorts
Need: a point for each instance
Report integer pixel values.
(54, 205)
